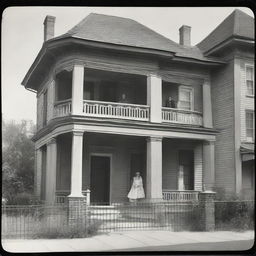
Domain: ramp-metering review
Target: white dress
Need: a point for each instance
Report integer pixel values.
(137, 190)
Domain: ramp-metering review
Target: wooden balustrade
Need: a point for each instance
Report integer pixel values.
(128, 111)
(62, 108)
(116, 110)
(182, 196)
(174, 115)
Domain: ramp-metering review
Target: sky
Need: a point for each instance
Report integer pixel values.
(22, 39)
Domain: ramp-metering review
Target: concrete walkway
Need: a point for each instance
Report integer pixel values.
(131, 240)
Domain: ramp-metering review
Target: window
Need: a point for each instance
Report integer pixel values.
(45, 108)
(249, 125)
(250, 80)
(185, 98)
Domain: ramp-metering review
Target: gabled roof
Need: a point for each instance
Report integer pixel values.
(238, 24)
(128, 32)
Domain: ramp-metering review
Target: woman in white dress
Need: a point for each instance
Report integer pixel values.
(137, 190)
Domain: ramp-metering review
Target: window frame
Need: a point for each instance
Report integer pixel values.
(250, 139)
(191, 89)
(253, 80)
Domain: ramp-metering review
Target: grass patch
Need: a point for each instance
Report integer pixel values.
(68, 231)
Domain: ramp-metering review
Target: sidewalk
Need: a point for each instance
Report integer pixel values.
(135, 240)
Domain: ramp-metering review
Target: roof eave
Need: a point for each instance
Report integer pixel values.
(52, 43)
(228, 42)
(209, 62)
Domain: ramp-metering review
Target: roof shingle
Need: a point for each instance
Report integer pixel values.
(128, 32)
(237, 24)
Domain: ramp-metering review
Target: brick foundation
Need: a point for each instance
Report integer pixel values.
(206, 200)
(77, 210)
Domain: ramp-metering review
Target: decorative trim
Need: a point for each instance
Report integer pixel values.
(78, 133)
(152, 139)
(51, 141)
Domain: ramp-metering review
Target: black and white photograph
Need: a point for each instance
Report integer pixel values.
(127, 129)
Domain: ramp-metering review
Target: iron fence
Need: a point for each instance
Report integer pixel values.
(26, 221)
(234, 215)
(29, 220)
(173, 216)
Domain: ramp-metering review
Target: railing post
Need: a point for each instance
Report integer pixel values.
(88, 196)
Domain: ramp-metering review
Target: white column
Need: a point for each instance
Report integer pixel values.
(77, 89)
(38, 173)
(207, 104)
(208, 165)
(51, 165)
(198, 167)
(154, 168)
(154, 98)
(76, 164)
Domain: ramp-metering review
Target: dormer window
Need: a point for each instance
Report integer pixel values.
(249, 80)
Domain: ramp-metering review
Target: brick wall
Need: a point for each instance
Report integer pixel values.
(50, 100)
(223, 120)
(50, 87)
(40, 104)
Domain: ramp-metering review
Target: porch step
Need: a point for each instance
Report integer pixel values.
(104, 212)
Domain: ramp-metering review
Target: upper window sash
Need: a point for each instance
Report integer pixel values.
(250, 126)
(249, 77)
(186, 98)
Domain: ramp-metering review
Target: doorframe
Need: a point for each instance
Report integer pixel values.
(110, 155)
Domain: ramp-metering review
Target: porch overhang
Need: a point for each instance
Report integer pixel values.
(247, 152)
(53, 47)
(62, 125)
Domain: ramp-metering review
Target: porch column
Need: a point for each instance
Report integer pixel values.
(38, 174)
(154, 98)
(76, 164)
(154, 168)
(77, 90)
(208, 165)
(198, 167)
(207, 104)
(51, 164)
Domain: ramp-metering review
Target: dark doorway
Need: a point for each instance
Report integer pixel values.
(108, 91)
(138, 164)
(43, 177)
(100, 179)
(186, 159)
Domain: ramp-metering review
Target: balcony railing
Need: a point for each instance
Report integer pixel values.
(174, 115)
(128, 111)
(182, 196)
(116, 110)
(62, 108)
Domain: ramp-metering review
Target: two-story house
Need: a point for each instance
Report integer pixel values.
(233, 102)
(114, 98)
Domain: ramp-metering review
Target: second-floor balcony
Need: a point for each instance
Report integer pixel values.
(128, 111)
(110, 95)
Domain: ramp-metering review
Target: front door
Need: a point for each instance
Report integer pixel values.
(186, 160)
(100, 179)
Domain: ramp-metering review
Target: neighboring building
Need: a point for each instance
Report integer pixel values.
(103, 112)
(233, 90)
